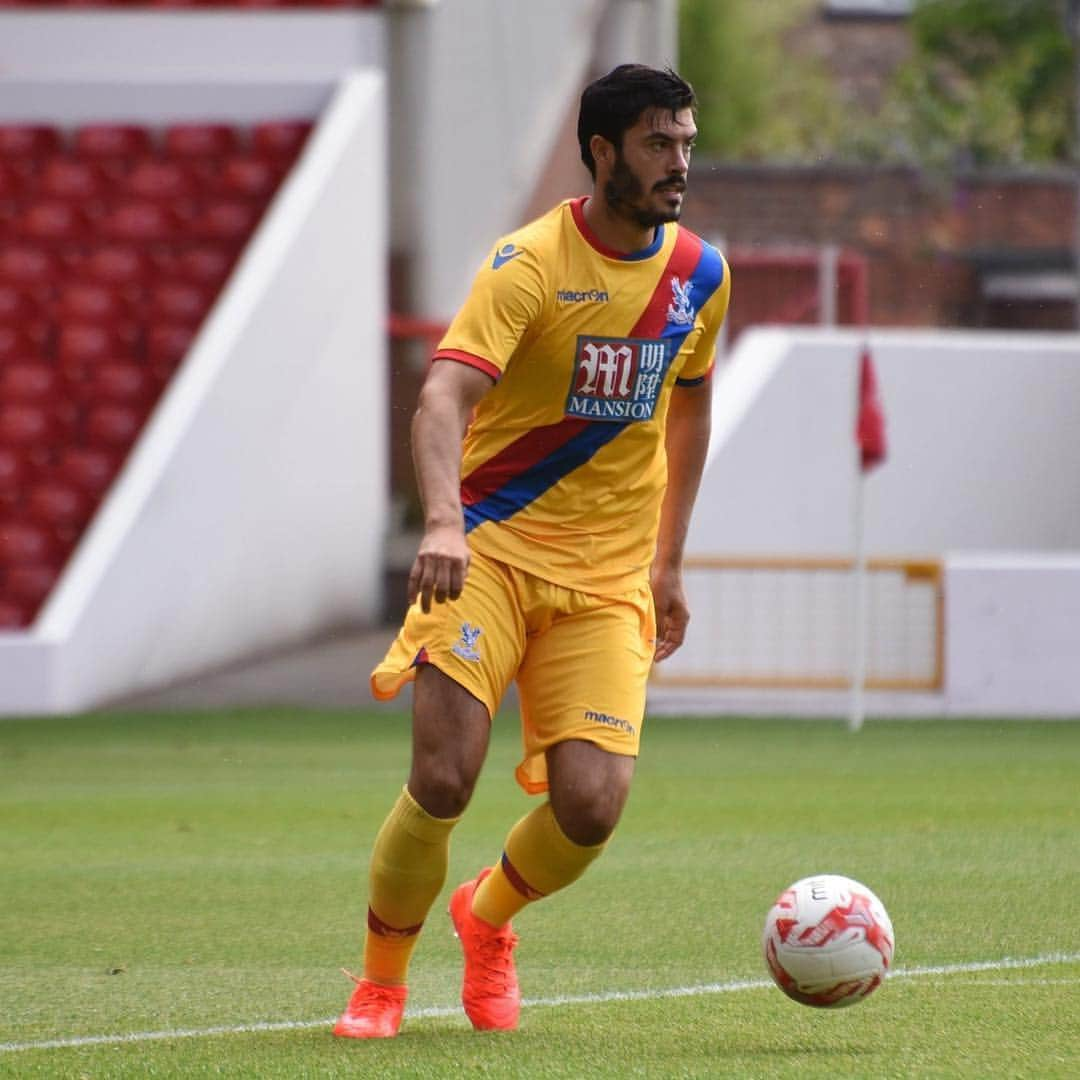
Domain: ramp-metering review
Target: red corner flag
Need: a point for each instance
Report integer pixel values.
(870, 426)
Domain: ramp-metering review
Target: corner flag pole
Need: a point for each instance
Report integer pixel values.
(870, 443)
(857, 708)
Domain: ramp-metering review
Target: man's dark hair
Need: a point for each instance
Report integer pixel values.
(615, 102)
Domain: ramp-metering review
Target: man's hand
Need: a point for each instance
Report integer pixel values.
(672, 611)
(439, 569)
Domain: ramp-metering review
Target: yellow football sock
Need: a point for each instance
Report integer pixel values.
(539, 859)
(408, 868)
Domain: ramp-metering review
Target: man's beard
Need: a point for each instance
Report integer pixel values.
(624, 194)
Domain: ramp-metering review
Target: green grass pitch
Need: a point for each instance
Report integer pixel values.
(178, 892)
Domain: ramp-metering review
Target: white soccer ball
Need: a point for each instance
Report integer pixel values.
(828, 941)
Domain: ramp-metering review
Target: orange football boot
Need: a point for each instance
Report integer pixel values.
(374, 1011)
(489, 987)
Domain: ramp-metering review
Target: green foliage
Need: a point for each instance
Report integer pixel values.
(989, 83)
(757, 100)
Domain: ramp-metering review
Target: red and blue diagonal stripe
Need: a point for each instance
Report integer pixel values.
(534, 463)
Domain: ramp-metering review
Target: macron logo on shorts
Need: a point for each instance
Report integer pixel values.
(466, 645)
(610, 721)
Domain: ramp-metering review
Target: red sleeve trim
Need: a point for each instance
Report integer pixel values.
(486, 366)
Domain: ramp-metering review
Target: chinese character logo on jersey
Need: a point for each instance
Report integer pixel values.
(616, 378)
(680, 311)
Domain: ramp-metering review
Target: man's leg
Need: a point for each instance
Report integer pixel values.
(409, 860)
(552, 846)
(546, 850)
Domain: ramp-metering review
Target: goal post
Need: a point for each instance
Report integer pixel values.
(785, 623)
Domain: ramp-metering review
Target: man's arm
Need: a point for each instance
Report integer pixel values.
(447, 398)
(687, 442)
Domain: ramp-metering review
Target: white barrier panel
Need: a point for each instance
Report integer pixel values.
(190, 46)
(250, 514)
(774, 623)
(981, 436)
(981, 428)
(1013, 634)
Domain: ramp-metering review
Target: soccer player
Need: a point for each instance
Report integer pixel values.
(558, 443)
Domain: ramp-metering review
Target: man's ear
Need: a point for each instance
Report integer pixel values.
(603, 151)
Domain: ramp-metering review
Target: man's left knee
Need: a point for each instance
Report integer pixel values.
(588, 789)
(588, 823)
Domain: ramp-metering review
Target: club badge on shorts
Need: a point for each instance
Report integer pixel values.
(466, 645)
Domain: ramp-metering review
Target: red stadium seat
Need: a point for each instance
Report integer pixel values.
(13, 616)
(14, 181)
(27, 427)
(29, 383)
(166, 345)
(58, 506)
(14, 474)
(17, 306)
(280, 139)
(70, 178)
(160, 181)
(252, 178)
(139, 221)
(113, 427)
(27, 586)
(228, 220)
(178, 301)
(86, 468)
(21, 312)
(200, 140)
(24, 543)
(82, 344)
(89, 301)
(208, 265)
(28, 140)
(105, 141)
(119, 382)
(17, 344)
(32, 267)
(121, 265)
(51, 220)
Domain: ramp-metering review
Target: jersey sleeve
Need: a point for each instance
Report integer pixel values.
(699, 366)
(505, 300)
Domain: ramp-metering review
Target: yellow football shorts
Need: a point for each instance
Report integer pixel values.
(581, 662)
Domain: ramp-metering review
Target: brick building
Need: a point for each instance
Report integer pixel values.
(986, 249)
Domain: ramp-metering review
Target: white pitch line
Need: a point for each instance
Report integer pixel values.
(443, 1011)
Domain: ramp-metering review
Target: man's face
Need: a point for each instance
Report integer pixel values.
(648, 176)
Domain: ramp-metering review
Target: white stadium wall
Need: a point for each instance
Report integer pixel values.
(983, 439)
(251, 512)
(482, 88)
(1013, 646)
(982, 429)
(191, 48)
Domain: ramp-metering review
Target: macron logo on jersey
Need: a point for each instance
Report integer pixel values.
(504, 255)
(578, 296)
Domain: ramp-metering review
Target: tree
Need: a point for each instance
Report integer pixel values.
(989, 82)
(757, 101)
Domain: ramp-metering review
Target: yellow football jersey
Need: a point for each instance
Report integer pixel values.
(564, 465)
